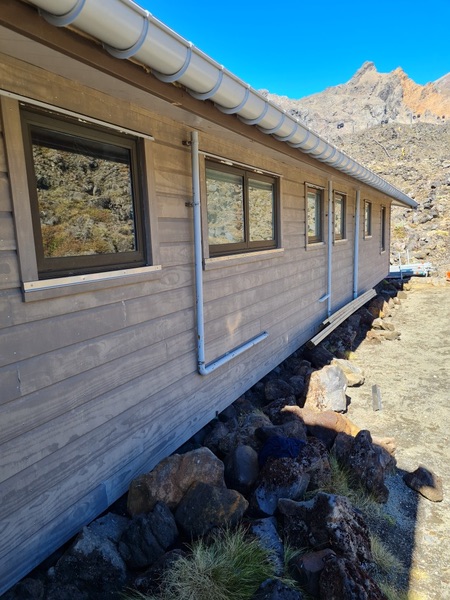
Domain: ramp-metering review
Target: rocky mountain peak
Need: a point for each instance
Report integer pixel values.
(400, 130)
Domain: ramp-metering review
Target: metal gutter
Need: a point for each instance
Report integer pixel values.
(356, 245)
(128, 31)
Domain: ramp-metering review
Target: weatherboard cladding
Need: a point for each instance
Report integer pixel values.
(100, 383)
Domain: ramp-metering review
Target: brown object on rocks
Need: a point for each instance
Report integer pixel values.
(205, 507)
(170, 480)
(342, 578)
(336, 423)
(426, 483)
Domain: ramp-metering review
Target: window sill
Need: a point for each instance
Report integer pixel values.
(248, 257)
(341, 241)
(315, 245)
(67, 286)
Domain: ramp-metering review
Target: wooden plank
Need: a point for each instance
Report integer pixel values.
(69, 394)
(9, 383)
(3, 164)
(12, 131)
(9, 271)
(5, 193)
(50, 368)
(25, 341)
(7, 234)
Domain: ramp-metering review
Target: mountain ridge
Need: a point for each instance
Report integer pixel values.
(401, 131)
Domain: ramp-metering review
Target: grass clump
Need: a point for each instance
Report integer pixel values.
(387, 562)
(343, 484)
(230, 567)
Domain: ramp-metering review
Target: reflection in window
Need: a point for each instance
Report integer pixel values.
(314, 200)
(241, 209)
(367, 219)
(85, 202)
(339, 216)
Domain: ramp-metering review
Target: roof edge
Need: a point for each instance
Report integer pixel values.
(129, 31)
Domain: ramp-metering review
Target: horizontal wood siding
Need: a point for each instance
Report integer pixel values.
(99, 385)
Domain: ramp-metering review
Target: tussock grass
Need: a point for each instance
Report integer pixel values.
(343, 484)
(230, 567)
(387, 562)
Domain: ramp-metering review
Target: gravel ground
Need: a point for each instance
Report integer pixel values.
(414, 377)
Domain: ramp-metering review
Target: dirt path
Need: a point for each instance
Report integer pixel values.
(414, 376)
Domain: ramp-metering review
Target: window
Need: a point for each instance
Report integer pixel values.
(339, 216)
(314, 214)
(85, 198)
(242, 209)
(367, 219)
(383, 228)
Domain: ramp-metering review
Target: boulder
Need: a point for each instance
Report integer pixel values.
(205, 507)
(327, 521)
(307, 568)
(315, 461)
(319, 356)
(274, 589)
(342, 578)
(265, 530)
(27, 589)
(274, 410)
(326, 390)
(323, 425)
(355, 375)
(147, 537)
(149, 583)
(241, 468)
(362, 460)
(280, 478)
(92, 567)
(218, 440)
(278, 388)
(426, 483)
(172, 477)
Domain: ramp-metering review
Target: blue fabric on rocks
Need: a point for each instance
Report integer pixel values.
(279, 447)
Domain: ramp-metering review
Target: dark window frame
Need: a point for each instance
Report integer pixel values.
(66, 266)
(319, 218)
(247, 245)
(342, 233)
(383, 232)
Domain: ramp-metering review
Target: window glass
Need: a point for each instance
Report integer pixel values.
(383, 228)
(84, 193)
(241, 209)
(225, 193)
(84, 197)
(339, 216)
(314, 215)
(367, 219)
(261, 210)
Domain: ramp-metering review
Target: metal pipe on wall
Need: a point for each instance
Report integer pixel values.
(356, 245)
(330, 246)
(203, 368)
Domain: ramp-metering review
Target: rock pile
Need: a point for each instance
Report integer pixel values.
(263, 463)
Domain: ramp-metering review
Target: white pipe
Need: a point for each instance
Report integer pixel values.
(127, 30)
(356, 250)
(330, 245)
(203, 368)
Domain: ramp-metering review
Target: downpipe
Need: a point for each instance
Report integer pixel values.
(356, 249)
(203, 368)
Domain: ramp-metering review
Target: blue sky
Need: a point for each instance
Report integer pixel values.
(300, 48)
